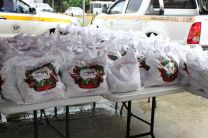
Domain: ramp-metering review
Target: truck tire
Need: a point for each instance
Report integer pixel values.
(149, 34)
(52, 31)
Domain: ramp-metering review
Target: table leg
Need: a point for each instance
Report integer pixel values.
(94, 106)
(153, 117)
(1, 118)
(35, 124)
(148, 100)
(67, 122)
(116, 107)
(128, 120)
(121, 110)
(55, 112)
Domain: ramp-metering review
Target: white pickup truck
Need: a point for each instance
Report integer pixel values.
(180, 20)
(20, 16)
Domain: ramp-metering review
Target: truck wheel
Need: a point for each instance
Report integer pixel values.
(149, 34)
(52, 31)
(61, 33)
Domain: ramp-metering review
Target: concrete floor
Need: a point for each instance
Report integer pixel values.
(177, 116)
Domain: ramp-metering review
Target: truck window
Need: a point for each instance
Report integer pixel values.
(154, 8)
(14, 6)
(117, 8)
(22, 7)
(203, 6)
(133, 6)
(176, 4)
(97, 5)
(7, 6)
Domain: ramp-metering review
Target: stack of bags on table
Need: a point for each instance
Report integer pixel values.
(88, 61)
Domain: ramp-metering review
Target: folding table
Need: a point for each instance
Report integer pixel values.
(151, 92)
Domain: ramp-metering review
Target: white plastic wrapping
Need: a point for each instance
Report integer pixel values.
(38, 79)
(157, 59)
(123, 74)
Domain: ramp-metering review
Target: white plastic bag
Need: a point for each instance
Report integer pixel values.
(123, 74)
(38, 79)
(198, 72)
(181, 51)
(86, 76)
(162, 69)
(9, 85)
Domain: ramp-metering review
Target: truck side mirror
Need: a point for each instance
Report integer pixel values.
(161, 12)
(32, 10)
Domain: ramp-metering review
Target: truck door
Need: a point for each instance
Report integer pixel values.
(130, 19)
(15, 18)
(114, 14)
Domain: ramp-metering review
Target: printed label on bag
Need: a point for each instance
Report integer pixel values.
(88, 77)
(142, 63)
(168, 69)
(42, 78)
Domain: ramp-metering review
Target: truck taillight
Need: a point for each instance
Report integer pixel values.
(194, 33)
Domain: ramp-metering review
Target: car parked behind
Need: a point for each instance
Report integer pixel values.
(74, 11)
(19, 16)
(43, 7)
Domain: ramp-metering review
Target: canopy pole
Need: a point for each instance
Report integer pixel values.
(83, 7)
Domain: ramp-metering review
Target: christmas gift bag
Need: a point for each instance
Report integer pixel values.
(123, 74)
(86, 76)
(181, 51)
(38, 79)
(160, 69)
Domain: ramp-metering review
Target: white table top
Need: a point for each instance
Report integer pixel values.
(11, 108)
(145, 93)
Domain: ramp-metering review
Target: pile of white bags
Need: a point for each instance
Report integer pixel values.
(91, 61)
